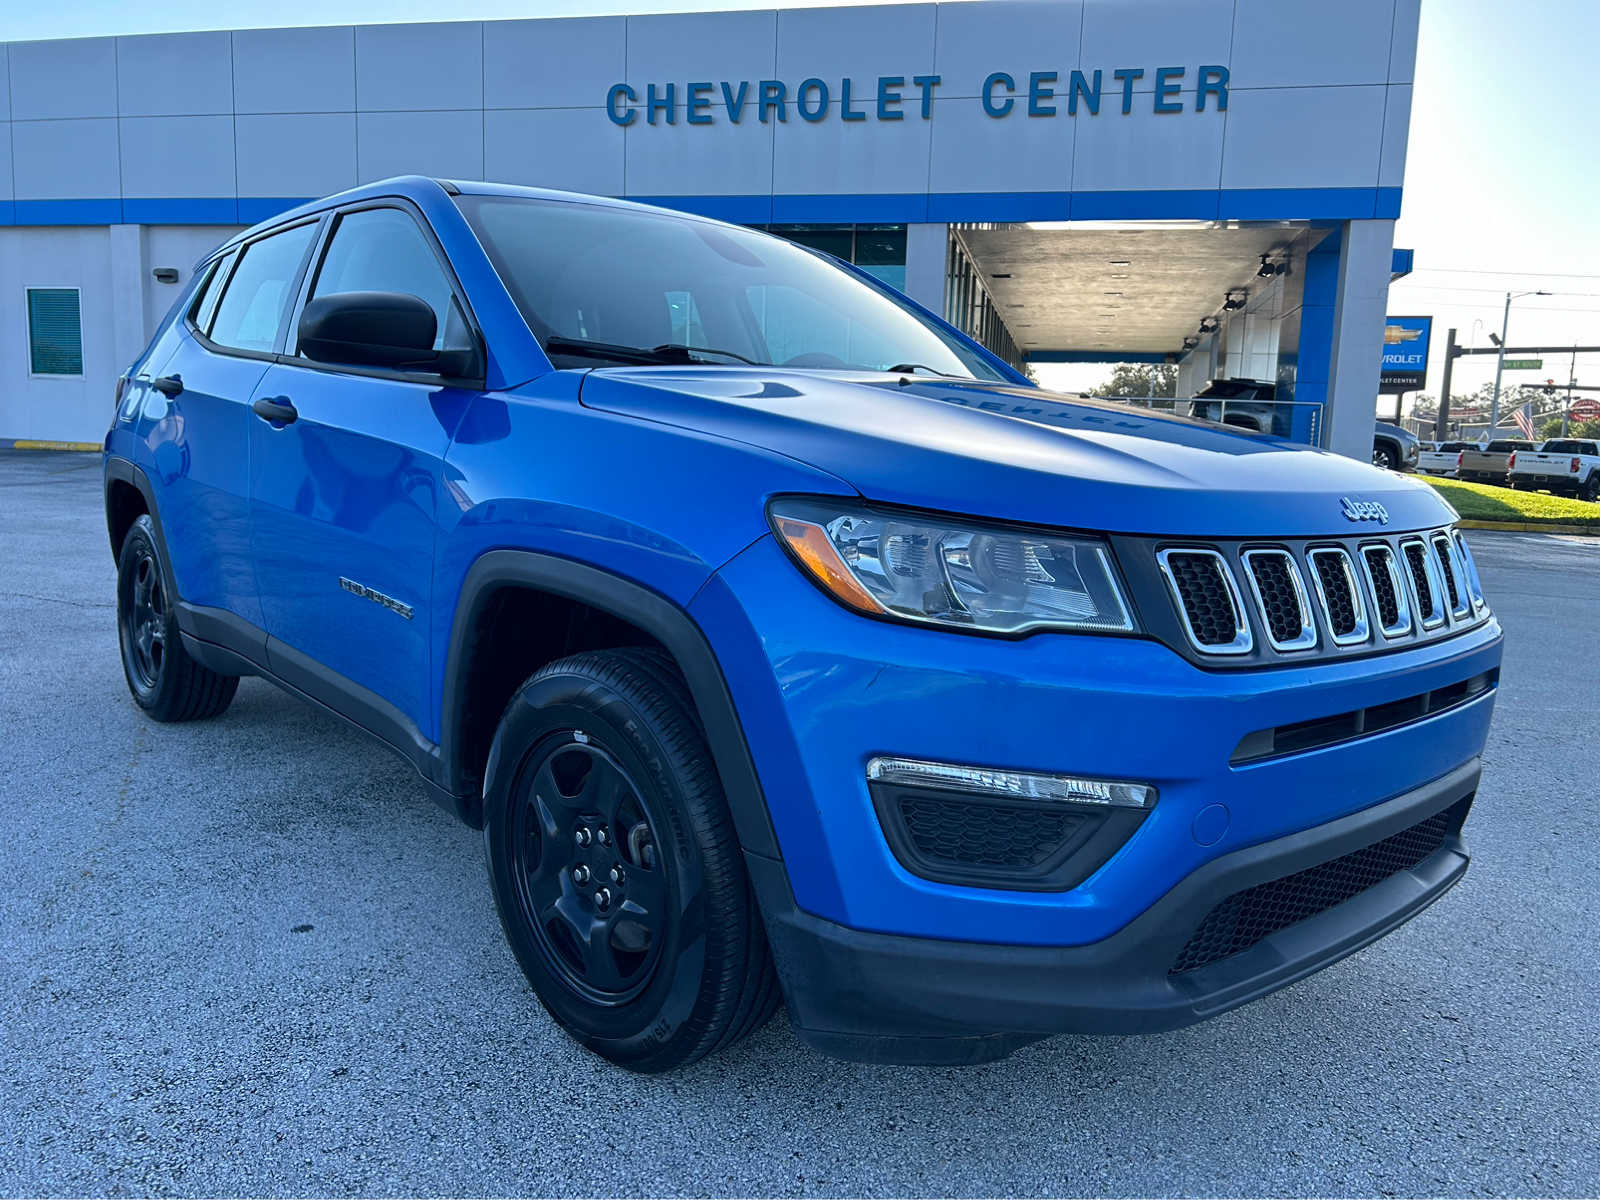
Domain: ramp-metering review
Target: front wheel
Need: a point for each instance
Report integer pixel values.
(615, 867)
(1385, 457)
(164, 680)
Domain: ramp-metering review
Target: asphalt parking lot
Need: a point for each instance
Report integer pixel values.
(249, 957)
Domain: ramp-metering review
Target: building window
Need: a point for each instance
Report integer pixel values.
(55, 332)
(879, 250)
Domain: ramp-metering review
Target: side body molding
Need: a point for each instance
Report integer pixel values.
(640, 606)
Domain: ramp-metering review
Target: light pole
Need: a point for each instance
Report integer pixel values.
(1500, 359)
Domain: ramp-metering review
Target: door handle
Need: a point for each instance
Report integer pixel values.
(276, 409)
(168, 385)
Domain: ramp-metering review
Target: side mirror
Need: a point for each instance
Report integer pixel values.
(370, 329)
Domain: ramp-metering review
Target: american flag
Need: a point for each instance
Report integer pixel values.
(1524, 418)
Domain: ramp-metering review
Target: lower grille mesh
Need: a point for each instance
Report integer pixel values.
(1250, 916)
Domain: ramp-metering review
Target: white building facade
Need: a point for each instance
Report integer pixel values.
(1070, 180)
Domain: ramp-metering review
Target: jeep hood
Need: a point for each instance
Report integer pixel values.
(1022, 454)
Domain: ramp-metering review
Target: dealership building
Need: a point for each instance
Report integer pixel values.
(1212, 183)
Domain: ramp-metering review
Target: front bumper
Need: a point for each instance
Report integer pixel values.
(820, 691)
(881, 998)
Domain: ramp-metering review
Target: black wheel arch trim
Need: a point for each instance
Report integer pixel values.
(636, 604)
(120, 470)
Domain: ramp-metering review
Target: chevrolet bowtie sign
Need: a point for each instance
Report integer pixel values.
(901, 97)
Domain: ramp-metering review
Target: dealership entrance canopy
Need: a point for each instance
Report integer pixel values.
(1211, 183)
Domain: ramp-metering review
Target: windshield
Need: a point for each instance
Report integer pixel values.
(601, 285)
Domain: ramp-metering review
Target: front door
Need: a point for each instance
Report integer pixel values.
(344, 491)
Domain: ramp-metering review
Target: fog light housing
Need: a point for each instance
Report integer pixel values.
(1017, 830)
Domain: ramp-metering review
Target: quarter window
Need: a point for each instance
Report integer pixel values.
(253, 308)
(382, 250)
(55, 332)
(205, 303)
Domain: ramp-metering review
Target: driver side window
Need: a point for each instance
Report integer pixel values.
(382, 250)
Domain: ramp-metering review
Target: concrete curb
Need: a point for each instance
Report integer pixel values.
(1532, 527)
(31, 444)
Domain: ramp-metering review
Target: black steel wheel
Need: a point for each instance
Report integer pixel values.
(615, 867)
(143, 623)
(164, 680)
(590, 883)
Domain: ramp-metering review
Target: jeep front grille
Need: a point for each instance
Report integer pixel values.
(1424, 582)
(1454, 582)
(1239, 603)
(1388, 590)
(1280, 599)
(1339, 594)
(1208, 600)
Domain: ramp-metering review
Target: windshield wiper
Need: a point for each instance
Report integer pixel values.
(913, 368)
(666, 354)
(688, 352)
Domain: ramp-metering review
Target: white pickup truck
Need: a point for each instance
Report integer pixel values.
(1567, 465)
(1439, 458)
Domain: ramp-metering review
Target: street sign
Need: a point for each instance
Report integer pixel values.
(1524, 364)
(1586, 410)
(1405, 354)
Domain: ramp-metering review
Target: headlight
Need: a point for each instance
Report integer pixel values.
(950, 572)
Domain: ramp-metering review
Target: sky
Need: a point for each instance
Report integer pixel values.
(1502, 182)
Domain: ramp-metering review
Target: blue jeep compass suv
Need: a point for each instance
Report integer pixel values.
(786, 645)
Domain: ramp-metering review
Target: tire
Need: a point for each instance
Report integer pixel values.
(605, 767)
(1385, 457)
(164, 680)
(1591, 489)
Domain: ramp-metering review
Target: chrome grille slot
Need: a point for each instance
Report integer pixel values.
(1470, 570)
(1280, 599)
(1208, 600)
(1423, 576)
(1389, 595)
(1455, 587)
(1339, 594)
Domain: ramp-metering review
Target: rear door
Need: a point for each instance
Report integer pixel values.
(199, 418)
(344, 497)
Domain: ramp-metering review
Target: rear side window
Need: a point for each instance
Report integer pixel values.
(382, 250)
(257, 298)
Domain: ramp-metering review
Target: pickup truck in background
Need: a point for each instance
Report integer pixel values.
(1569, 466)
(1488, 464)
(1439, 458)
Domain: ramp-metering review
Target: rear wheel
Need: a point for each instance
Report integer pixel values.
(1591, 490)
(615, 867)
(164, 680)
